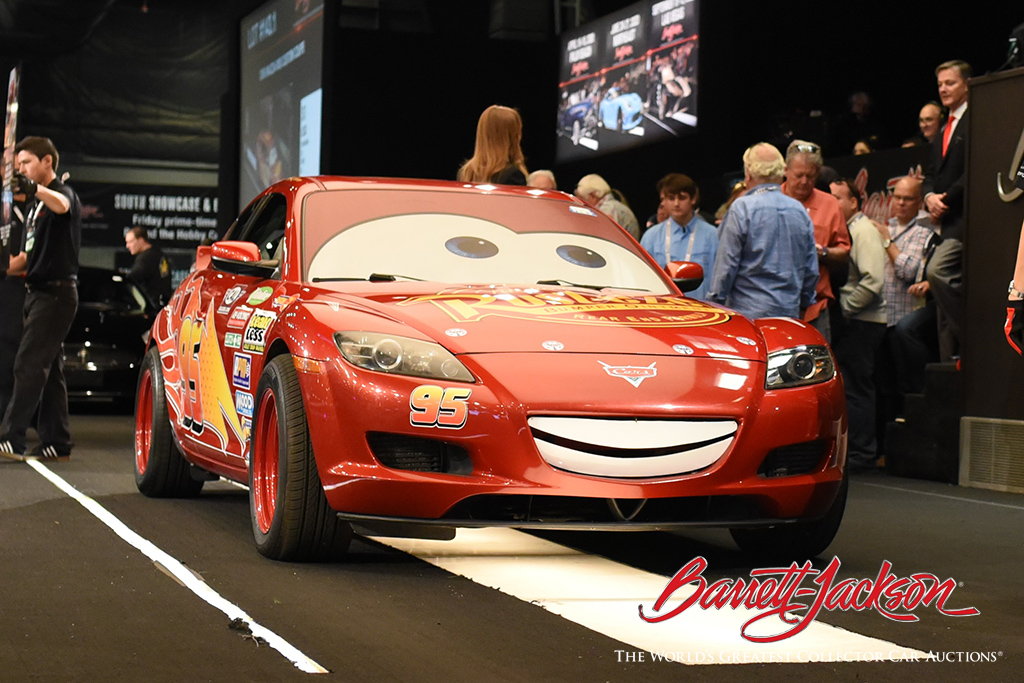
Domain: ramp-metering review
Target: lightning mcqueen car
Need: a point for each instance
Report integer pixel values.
(417, 356)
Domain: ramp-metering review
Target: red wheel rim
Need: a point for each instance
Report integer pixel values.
(265, 462)
(144, 421)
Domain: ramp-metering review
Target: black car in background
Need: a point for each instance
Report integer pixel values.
(105, 345)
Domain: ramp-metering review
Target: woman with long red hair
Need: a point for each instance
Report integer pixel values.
(497, 158)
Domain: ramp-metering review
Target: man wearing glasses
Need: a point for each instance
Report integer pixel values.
(832, 239)
(864, 326)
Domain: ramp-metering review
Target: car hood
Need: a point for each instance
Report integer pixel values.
(510, 319)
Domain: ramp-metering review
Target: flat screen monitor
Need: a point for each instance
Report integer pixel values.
(628, 79)
(281, 94)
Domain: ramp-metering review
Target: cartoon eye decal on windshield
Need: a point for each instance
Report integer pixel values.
(580, 256)
(471, 247)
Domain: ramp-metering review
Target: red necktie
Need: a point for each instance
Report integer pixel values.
(947, 133)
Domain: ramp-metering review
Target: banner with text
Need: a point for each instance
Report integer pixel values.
(175, 217)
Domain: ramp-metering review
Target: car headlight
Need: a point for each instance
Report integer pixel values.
(799, 366)
(401, 356)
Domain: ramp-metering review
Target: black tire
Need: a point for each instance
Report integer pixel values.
(160, 470)
(291, 519)
(798, 541)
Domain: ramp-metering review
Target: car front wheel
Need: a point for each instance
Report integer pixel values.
(291, 519)
(797, 541)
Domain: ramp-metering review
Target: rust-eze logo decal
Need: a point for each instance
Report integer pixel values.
(790, 607)
(575, 308)
(631, 373)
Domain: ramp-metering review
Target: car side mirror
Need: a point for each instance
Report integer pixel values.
(246, 252)
(686, 275)
(241, 258)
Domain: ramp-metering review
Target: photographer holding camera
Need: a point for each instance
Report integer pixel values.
(53, 232)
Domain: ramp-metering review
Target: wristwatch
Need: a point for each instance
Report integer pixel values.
(886, 243)
(1014, 294)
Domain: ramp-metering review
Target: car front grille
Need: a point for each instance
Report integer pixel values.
(416, 454)
(798, 458)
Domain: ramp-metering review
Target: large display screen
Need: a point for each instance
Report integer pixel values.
(628, 79)
(281, 94)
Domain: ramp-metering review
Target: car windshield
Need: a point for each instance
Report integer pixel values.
(468, 238)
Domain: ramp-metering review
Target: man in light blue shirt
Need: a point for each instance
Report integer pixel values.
(684, 235)
(767, 261)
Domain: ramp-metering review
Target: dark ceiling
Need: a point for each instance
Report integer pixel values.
(33, 27)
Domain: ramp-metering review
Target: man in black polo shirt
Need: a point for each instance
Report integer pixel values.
(53, 232)
(151, 271)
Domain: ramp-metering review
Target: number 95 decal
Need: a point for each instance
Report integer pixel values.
(433, 406)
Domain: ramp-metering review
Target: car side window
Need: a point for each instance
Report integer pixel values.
(239, 224)
(266, 229)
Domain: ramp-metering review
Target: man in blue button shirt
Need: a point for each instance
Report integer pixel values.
(683, 236)
(767, 262)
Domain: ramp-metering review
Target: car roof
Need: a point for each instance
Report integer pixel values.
(361, 183)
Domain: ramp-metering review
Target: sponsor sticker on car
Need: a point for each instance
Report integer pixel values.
(230, 297)
(284, 301)
(241, 370)
(233, 340)
(259, 296)
(239, 317)
(255, 338)
(244, 403)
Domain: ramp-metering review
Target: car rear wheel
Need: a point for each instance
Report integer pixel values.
(160, 471)
(291, 519)
(798, 541)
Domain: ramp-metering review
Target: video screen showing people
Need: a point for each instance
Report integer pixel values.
(281, 94)
(628, 79)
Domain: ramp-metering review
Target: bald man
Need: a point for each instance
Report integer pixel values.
(930, 121)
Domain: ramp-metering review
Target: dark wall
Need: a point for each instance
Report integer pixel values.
(993, 373)
(408, 103)
(159, 85)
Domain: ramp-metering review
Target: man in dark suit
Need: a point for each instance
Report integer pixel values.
(944, 186)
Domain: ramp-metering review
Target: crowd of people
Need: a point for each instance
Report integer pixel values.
(792, 241)
(789, 241)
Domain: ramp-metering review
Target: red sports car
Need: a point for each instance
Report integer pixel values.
(416, 356)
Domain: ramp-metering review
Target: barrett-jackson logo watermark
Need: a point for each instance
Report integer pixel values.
(780, 593)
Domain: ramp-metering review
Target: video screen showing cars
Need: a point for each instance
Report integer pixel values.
(281, 94)
(628, 79)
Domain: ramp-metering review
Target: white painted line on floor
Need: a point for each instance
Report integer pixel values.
(182, 574)
(604, 596)
(943, 495)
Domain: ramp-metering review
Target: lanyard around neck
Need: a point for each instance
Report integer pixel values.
(668, 241)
